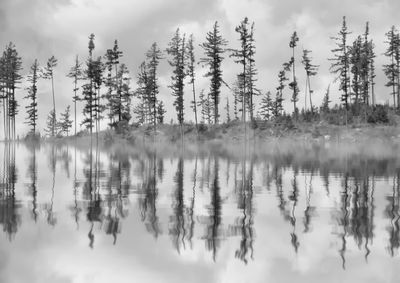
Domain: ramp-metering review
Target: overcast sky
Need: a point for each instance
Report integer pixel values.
(41, 28)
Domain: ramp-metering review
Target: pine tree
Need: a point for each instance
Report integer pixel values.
(66, 123)
(191, 73)
(97, 81)
(113, 95)
(365, 65)
(32, 111)
(227, 109)
(311, 70)
(176, 49)
(279, 95)
(326, 101)
(252, 72)
(293, 85)
(372, 74)
(11, 77)
(341, 63)
(356, 70)
(214, 48)
(142, 93)
(160, 112)
(125, 94)
(391, 70)
(49, 74)
(266, 106)
(89, 93)
(76, 73)
(242, 56)
(154, 56)
(51, 124)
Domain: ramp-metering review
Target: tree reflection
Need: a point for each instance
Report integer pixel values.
(148, 199)
(393, 213)
(9, 206)
(32, 174)
(245, 222)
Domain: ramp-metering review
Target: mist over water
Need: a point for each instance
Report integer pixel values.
(73, 214)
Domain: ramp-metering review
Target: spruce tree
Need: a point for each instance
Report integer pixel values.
(32, 110)
(293, 84)
(51, 124)
(341, 63)
(391, 70)
(154, 55)
(11, 77)
(311, 70)
(66, 123)
(241, 56)
(355, 52)
(112, 82)
(76, 73)
(142, 93)
(89, 93)
(214, 48)
(266, 106)
(176, 49)
(160, 112)
(49, 74)
(191, 73)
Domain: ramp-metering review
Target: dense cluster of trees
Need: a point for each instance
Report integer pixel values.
(103, 84)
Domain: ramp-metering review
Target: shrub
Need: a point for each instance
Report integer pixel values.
(378, 114)
(284, 122)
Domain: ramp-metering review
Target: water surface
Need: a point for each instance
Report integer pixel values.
(94, 215)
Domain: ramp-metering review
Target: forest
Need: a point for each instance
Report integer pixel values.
(103, 86)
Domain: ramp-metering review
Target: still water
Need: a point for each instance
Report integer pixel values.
(78, 215)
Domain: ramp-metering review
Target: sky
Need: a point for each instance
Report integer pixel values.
(42, 28)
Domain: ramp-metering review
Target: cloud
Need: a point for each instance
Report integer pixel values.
(42, 28)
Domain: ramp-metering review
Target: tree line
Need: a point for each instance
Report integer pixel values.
(102, 84)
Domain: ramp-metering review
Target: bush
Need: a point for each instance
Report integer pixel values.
(202, 128)
(378, 115)
(121, 127)
(337, 116)
(284, 122)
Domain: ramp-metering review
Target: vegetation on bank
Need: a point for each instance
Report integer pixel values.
(102, 85)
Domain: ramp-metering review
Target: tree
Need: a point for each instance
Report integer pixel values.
(326, 101)
(279, 94)
(10, 78)
(49, 74)
(372, 71)
(142, 93)
(245, 57)
(293, 85)
(191, 73)
(355, 52)
(89, 93)
(341, 62)
(160, 112)
(113, 95)
(266, 106)
(391, 70)
(66, 122)
(153, 56)
(176, 49)
(124, 94)
(311, 70)
(76, 73)
(32, 96)
(213, 50)
(227, 109)
(51, 124)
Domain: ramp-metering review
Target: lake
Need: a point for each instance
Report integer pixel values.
(75, 214)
